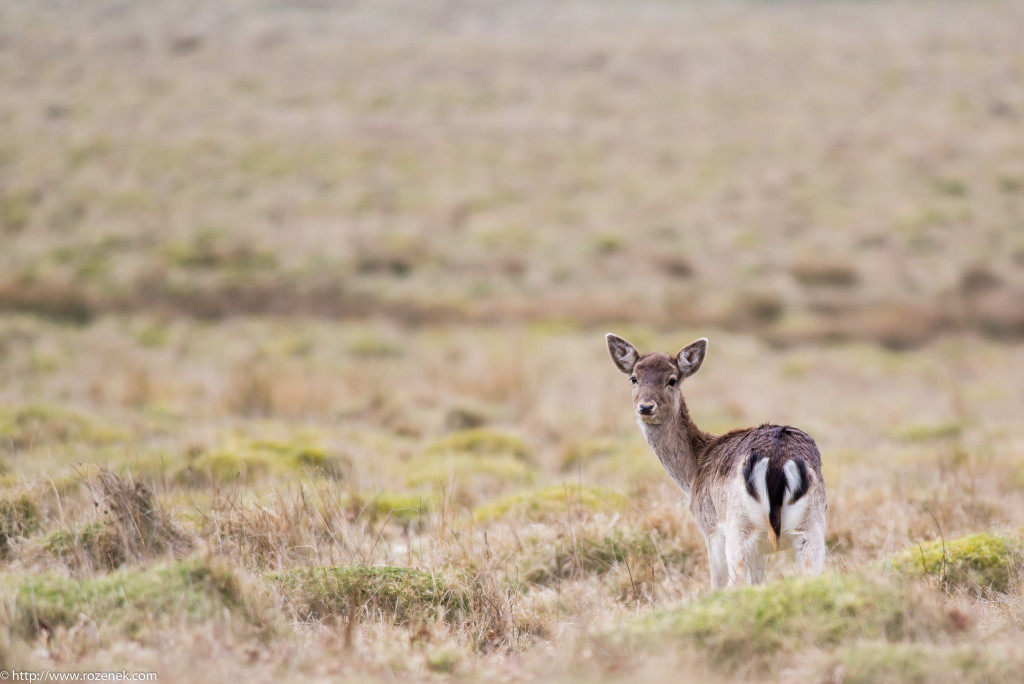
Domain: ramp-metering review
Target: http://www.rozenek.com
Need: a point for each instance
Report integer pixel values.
(60, 676)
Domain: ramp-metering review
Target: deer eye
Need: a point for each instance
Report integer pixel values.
(671, 382)
(633, 379)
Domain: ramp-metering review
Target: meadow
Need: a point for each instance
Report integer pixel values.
(302, 313)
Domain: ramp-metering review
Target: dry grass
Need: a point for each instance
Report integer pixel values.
(302, 372)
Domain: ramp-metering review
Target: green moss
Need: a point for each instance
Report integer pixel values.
(95, 544)
(626, 465)
(608, 243)
(405, 509)
(443, 660)
(396, 594)
(752, 624)
(213, 249)
(467, 470)
(370, 344)
(154, 335)
(128, 601)
(929, 432)
(24, 427)
(980, 561)
(256, 459)
(587, 450)
(482, 442)
(19, 517)
(886, 663)
(552, 502)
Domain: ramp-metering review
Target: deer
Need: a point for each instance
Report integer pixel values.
(752, 491)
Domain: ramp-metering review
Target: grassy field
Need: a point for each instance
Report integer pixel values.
(302, 367)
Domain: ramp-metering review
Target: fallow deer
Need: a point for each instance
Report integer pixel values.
(752, 491)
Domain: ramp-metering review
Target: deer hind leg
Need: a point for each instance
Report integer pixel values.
(742, 558)
(757, 564)
(810, 551)
(717, 560)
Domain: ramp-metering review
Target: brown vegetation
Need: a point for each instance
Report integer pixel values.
(301, 316)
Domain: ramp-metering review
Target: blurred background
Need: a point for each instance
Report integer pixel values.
(374, 246)
(802, 172)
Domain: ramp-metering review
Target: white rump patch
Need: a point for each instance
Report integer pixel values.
(793, 514)
(793, 481)
(758, 510)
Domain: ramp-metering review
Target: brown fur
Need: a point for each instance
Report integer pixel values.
(719, 472)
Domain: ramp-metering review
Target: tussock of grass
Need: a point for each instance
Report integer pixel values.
(405, 509)
(256, 459)
(750, 624)
(134, 527)
(886, 663)
(28, 426)
(468, 471)
(551, 502)
(817, 272)
(481, 442)
(928, 433)
(580, 555)
(587, 450)
(130, 601)
(979, 561)
(394, 594)
(19, 517)
(274, 532)
(93, 545)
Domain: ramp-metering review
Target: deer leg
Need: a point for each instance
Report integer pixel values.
(716, 560)
(757, 564)
(736, 552)
(810, 552)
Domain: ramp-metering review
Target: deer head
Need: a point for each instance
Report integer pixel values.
(656, 377)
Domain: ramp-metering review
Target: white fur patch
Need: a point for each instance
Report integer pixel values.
(793, 481)
(758, 510)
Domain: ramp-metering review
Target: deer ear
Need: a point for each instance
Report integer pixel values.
(624, 355)
(691, 356)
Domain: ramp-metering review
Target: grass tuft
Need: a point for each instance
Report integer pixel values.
(551, 502)
(130, 602)
(396, 595)
(405, 509)
(752, 624)
(252, 460)
(980, 562)
(134, 528)
(886, 663)
(481, 442)
(19, 517)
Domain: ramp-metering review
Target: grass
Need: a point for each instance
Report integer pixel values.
(745, 627)
(302, 373)
(481, 442)
(395, 594)
(404, 509)
(980, 562)
(256, 459)
(887, 663)
(584, 555)
(19, 517)
(551, 502)
(129, 602)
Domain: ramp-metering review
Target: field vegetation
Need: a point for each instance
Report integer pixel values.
(302, 368)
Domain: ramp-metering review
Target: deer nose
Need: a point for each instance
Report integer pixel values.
(646, 409)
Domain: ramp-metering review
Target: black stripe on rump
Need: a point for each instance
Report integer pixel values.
(775, 478)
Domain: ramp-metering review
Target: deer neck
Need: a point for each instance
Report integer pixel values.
(678, 444)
